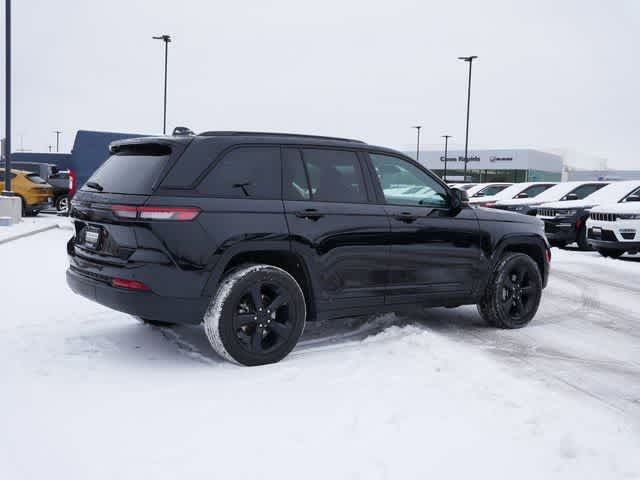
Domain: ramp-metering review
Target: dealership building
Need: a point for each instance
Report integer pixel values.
(517, 165)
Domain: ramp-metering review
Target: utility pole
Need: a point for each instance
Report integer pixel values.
(446, 144)
(469, 60)
(57, 132)
(7, 100)
(166, 39)
(418, 127)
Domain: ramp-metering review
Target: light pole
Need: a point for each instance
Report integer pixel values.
(166, 39)
(418, 127)
(57, 132)
(469, 60)
(446, 144)
(7, 100)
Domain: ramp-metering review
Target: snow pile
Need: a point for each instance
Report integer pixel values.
(90, 393)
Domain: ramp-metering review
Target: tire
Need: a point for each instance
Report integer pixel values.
(582, 241)
(610, 252)
(256, 316)
(513, 294)
(155, 323)
(62, 203)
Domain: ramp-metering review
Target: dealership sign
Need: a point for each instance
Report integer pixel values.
(461, 159)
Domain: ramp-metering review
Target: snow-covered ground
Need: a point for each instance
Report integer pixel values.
(88, 393)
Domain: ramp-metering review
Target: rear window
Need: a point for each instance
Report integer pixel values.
(34, 178)
(131, 170)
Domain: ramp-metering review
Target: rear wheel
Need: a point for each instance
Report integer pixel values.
(257, 315)
(610, 252)
(62, 203)
(513, 293)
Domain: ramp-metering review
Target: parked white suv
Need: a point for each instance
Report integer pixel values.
(614, 228)
(561, 192)
(565, 222)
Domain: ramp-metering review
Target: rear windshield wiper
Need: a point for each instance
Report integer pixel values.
(95, 186)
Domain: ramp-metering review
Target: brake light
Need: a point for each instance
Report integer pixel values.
(165, 213)
(488, 204)
(547, 255)
(155, 213)
(124, 211)
(72, 182)
(130, 284)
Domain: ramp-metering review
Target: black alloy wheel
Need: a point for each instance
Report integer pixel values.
(262, 319)
(517, 292)
(256, 316)
(513, 293)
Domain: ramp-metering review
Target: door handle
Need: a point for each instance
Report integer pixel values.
(310, 213)
(406, 217)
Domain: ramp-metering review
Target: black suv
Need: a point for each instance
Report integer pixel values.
(256, 233)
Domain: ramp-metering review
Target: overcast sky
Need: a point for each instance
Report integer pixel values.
(551, 74)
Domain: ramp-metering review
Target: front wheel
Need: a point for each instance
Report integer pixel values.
(582, 240)
(256, 316)
(513, 293)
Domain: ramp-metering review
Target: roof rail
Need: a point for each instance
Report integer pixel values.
(276, 134)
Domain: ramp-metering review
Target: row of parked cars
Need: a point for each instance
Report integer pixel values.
(40, 186)
(604, 215)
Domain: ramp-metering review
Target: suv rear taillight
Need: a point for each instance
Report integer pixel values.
(130, 212)
(72, 182)
(547, 255)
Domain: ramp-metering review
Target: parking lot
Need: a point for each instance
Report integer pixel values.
(93, 393)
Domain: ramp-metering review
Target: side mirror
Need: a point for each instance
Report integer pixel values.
(633, 198)
(522, 195)
(571, 196)
(460, 197)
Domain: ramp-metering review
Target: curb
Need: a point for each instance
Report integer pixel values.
(28, 234)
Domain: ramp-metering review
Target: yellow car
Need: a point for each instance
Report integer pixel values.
(36, 194)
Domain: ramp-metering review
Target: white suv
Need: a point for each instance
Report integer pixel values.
(614, 228)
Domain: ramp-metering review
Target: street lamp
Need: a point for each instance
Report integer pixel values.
(418, 127)
(469, 60)
(57, 132)
(446, 144)
(7, 100)
(166, 39)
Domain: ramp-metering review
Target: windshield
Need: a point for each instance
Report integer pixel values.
(531, 189)
(613, 192)
(128, 174)
(556, 192)
(490, 190)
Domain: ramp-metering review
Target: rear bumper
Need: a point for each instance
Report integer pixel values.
(143, 304)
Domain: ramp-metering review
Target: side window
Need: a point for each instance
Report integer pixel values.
(634, 194)
(535, 190)
(405, 184)
(334, 176)
(584, 190)
(296, 184)
(245, 172)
